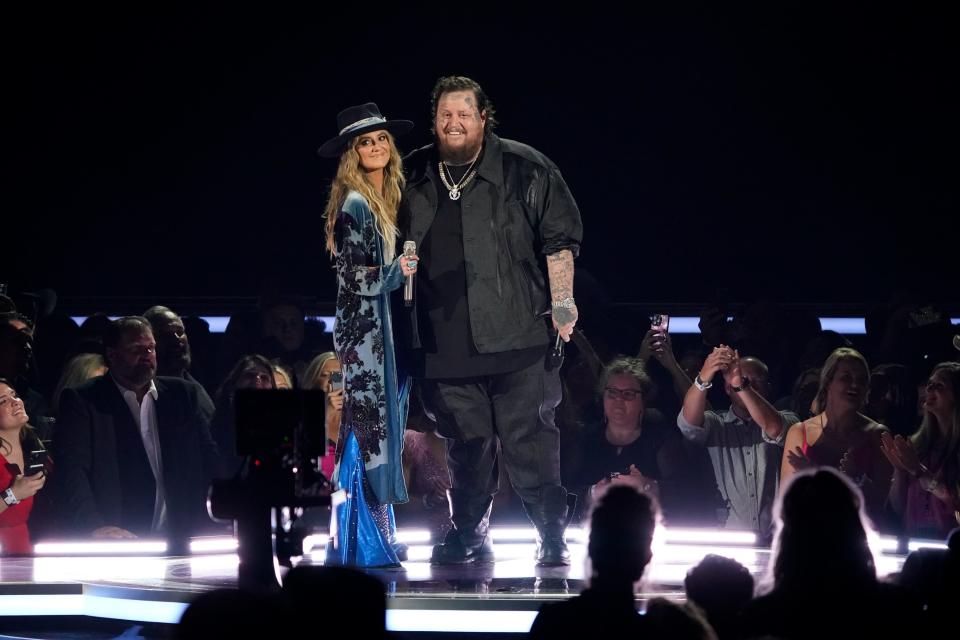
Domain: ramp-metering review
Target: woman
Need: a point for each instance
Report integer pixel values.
(635, 445)
(250, 372)
(839, 436)
(821, 579)
(79, 369)
(362, 235)
(925, 493)
(320, 375)
(16, 489)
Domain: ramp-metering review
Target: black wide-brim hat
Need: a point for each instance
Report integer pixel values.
(353, 121)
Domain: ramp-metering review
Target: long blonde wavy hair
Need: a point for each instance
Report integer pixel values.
(350, 176)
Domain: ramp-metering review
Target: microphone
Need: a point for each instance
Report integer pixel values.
(409, 249)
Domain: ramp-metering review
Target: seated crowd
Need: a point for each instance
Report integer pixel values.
(121, 429)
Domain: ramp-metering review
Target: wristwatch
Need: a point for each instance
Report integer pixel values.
(700, 384)
(744, 385)
(566, 303)
(9, 498)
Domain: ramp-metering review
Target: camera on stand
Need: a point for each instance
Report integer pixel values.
(282, 435)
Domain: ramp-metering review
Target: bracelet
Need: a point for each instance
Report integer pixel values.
(10, 498)
(700, 384)
(566, 303)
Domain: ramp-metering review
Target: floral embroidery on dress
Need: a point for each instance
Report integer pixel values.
(371, 407)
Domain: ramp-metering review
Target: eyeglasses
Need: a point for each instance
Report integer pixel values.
(623, 394)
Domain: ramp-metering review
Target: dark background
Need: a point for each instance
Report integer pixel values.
(808, 156)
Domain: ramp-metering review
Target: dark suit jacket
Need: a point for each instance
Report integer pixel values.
(103, 475)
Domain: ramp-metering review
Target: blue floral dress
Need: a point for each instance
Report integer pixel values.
(368, 471)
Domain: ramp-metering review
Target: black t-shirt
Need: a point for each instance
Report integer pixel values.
(658, 453)
(444, 320)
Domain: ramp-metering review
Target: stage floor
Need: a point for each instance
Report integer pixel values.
(128, 584)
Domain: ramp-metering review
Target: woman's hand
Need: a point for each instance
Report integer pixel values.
(901, 453)
(27, 486)
(639, 481)
(335, 399)
(408, 264)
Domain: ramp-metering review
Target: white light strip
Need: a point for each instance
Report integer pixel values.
(913, 545)
(315, 541)
(138, 610)
(460, 621)
(125, 547)
(678, 324)
(848, 326)
(709, 536)
(409, 536)
(881, 544)
(218, 324)
(42, 605)
(513, 533)
(213, 545)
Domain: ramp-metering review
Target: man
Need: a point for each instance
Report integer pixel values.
(745, 443)
(173, 349)
(484, 212)
(16, 360)
(133, 451)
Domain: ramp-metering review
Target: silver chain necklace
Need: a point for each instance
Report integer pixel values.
(456, 189)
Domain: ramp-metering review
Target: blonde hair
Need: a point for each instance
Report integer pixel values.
(929, 434)
(312, 373)
(79, 369)
(829, 371)
(384, 206)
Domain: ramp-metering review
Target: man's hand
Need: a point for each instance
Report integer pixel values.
(719, 359)
(564, 319)
(732, 374)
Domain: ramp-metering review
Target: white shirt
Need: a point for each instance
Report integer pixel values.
(145, 416)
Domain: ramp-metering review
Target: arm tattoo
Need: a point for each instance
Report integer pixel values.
(560, 271)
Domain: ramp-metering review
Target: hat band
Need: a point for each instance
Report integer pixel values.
(362, 123)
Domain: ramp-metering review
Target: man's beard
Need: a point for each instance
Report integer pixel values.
(459, 155)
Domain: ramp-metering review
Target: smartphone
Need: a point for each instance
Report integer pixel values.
(36, 462)
(660, 323)
(336, 380)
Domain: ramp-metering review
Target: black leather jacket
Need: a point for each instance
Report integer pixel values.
(517, 211)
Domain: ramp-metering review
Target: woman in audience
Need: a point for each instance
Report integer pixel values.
(320, 375)
(635, 445)
(250, 372)
(282, 374)
(17, 490)
(840, 436)
(821, 578)
(925, 493)
(79, 369)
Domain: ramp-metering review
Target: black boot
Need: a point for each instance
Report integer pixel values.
(550, 517)
(468, 541)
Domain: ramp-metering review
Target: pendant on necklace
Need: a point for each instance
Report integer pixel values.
(455, 193)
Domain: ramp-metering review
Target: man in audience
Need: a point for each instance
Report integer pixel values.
(745, 443)
(133, 451)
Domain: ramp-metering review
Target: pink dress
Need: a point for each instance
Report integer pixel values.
(927, 516)
(14, 535)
